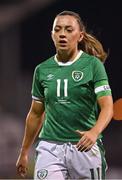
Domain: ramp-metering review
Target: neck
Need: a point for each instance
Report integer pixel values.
(66, 56)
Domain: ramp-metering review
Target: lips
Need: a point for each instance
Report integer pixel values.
(62, 41)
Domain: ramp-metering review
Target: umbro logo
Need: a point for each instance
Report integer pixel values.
(50, 76)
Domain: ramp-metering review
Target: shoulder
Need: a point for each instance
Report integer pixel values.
(88, 60)
(92, 60)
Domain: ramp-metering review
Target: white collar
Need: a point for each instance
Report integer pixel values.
(69, 62)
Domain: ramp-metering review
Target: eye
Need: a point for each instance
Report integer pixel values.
(69, 30)
(56, 29)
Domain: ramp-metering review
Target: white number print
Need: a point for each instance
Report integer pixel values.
(59, 87)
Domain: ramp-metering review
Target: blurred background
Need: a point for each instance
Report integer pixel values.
(25, 28)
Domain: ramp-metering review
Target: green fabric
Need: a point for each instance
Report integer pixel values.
(68, 94)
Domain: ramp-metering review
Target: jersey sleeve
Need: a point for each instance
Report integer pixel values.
(37, 88)
(100, 78)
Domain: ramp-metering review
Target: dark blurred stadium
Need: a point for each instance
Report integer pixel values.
(25, 41)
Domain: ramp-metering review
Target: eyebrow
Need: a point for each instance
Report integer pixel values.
(69, 26)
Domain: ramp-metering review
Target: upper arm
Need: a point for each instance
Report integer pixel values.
(37, 86)
(106, 102)
(37, 108)
(101, 83)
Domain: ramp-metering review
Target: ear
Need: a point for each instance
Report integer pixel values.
(81, 36)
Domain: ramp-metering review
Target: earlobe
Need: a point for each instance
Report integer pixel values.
(81, 36)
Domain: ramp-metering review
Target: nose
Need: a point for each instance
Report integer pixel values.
(62, 34)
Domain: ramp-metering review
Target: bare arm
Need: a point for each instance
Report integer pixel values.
(105, 116)
(88, 138)
(33, 124)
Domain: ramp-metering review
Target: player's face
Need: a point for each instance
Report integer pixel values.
(66, 33)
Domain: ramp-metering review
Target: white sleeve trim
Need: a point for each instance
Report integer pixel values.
(102, 88)
(37, 99)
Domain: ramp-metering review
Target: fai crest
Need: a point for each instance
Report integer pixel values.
(77, 75)
(41, 174)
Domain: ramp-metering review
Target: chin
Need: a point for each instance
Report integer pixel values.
(63, 49)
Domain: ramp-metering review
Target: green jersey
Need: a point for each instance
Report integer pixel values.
(70, 93)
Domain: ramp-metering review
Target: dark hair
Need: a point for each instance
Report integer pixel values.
(89, 43)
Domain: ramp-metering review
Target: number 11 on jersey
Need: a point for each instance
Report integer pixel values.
(65, 82)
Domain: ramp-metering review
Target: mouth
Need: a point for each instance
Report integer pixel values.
(63, 43)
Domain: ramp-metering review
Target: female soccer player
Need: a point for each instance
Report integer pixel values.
(72, 89)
